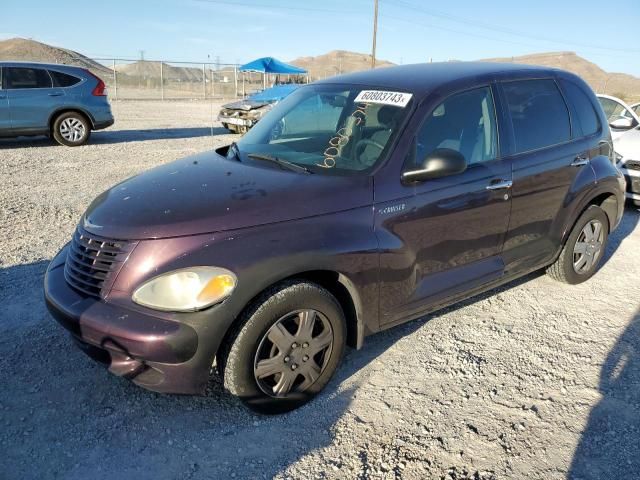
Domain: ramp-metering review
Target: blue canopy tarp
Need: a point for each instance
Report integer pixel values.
(271, 65)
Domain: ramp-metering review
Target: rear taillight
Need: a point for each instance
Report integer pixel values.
(100, 89)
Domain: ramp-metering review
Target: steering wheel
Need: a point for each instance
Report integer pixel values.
(363, 143)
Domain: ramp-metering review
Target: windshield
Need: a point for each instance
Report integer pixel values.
(328, 129)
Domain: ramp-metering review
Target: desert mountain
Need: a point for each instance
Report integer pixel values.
(336, 62)
(321, 66)
(25, 50)
(169, 72)
(618, 84)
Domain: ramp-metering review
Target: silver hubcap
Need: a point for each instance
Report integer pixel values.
(588, 247)
(293, 353)
(72, 129)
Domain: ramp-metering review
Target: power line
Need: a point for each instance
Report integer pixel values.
(492, 27)
(276, 7)
(479, 35)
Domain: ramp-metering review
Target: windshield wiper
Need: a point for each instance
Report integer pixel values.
(283, 163)
(235, 151)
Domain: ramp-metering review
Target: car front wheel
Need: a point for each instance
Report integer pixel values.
(71, 129)
(287, 347)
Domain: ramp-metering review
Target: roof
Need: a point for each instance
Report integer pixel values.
(55, 66)
(271, 65)
(422, 78)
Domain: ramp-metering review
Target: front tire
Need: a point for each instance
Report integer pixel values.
(287, 347)
(71, 129)
(584, 249)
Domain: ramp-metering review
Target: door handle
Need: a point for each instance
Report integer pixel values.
(580, 160)
(501, 185)
(55, 94)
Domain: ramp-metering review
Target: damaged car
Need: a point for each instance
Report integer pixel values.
(240, 116)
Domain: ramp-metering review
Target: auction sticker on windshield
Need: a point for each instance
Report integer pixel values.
(397, 99)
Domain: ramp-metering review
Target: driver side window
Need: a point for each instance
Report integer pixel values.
(464, 122)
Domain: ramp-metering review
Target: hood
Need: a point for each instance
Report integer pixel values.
(209, 193)
(260, 99)
(246, 104)
(628, 144)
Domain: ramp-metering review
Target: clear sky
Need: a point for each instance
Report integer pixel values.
(409, 31)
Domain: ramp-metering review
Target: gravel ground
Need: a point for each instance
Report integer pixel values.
(534, 380)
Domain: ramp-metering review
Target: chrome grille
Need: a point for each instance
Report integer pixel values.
(93, 262)
(235, 113)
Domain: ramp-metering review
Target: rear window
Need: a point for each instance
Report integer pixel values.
(539, 115)
(20, 77)
(586, 117)
(62, 79)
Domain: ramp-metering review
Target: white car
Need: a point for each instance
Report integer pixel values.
(625, 131)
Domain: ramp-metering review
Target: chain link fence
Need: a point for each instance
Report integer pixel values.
(172, 80)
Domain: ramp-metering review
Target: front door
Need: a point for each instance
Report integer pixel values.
(445, 237)
(32, 98)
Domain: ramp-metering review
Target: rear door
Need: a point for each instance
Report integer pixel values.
(547, 159)
(32, 98)
(5, 118)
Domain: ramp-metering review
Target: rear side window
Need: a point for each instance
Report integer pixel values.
(19, 77)
(539, 115)
(586, 117)
(62, 79)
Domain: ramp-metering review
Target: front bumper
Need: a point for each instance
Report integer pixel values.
(242, 122)
(632, 177)
(156, 353)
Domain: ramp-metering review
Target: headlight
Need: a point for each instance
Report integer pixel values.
(185, 290)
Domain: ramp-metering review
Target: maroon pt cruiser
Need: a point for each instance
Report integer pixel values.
(358, 203)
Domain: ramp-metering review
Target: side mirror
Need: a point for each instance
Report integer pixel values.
(439, 163)
(621, 123)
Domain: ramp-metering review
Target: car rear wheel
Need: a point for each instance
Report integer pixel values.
(71, 129)
(584, 249)
(287, 347)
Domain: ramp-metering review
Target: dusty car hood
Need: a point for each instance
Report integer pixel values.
(628, 144)
(247, 104)
(209, 193)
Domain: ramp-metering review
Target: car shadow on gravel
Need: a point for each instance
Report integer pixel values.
(126, 136)
(608, 447)
(627, 225)
(64, 416)
(106, 137)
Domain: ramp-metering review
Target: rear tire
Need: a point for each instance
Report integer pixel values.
(584, 249)
(286, 348)
(71, 129)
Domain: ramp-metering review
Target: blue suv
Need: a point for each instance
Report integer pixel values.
(64, 102)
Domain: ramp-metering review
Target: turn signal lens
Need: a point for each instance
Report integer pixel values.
(218, 287)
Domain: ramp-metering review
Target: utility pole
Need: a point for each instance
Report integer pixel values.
(375, 33)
